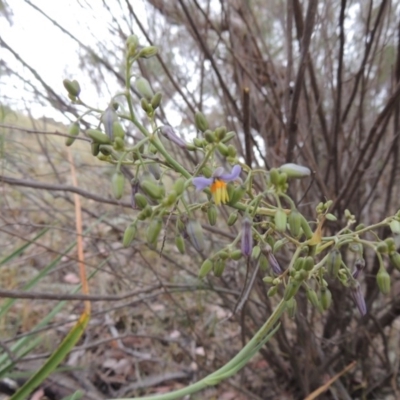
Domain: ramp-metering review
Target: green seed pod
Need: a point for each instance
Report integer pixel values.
(152, 189)
(294, 220)
(220, 133)
(117, 184)
(272, 291)
(73, 87)
(308, 264)
(232, 152)
(147, 52)
(333, 262)
(200, 121)
(156, 100)
(205, 268)
(229, 136)
(118, 130)
(232, 218)
(153, 231)
(209, 136)
(144, 88)
(218, 268)
(326, 298)
(255, 253)
(236, 255)
(95, 147)
(140, 201)
(237, 194)
(395, 259)
(382, 248)
(280, 220)
(195, 233)
(212, 214)
(313, 298)
(263, 262)
(223, 149)
(395, 227)
(291, 289)
(73, 130)
(179, 186)
(180, 244)
(291, 307)
(98, 137)
(274, 176)
(129, 235)
(306, 228)
(383, 280)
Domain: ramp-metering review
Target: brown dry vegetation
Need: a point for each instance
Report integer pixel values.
(316, 83)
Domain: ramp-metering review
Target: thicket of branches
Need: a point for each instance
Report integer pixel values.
(314, 83)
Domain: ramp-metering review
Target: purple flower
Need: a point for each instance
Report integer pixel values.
(247, 237)
(217, 183)
(358, 298)
(170, 134)
(273, 262)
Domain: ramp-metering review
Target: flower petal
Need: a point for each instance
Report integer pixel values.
(234, 174)
(201, 182)
(218, 172)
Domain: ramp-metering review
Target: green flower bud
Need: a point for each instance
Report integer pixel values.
(291, 289)
(298, 264)
(205, 268)
(152, 189)
(383, 280)
(220, 133)
(291, 307)
(154, 169)
(95, 148)
(153, 231)
(236, 255)
(255, 253)
(73, 130)
(333, 262)
(198, 142)
(73, 87)
(146, 106)
(382, 248)
(209, 136)
(232, 152)
(190, 147)
(118, 130)
(326, 298)
(119, 144)
(212, 214)
(156, 100)
(308, 264)
(105, 149)
(145, 213)
(218, 268)
(395, 227)
(229, 136)
(278, 245)
(129, 235)
(395, 259)
(280, 220)
(268, 279)
(179, 186)
(237, 194)
(306, 228)
(223, 149)
(147, 52)
(272, 291)
(170, 199)
(117, 184)
(330, 217)
(313, 298)
(232, 218)
(295, 171)
(359, 227)
(98, 137)
(131, 45)
(274, 176)
(200, 121)
(391, 244)
(144, 88)
(195, 233)
(140, 201)
(180, 244)
(294, 220)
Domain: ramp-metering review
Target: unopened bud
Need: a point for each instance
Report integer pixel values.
(223, 149)
(95, 148)
(295, 171)
(147, 52)
(306, 228)
(200, 121)
(129, 235)
(229, 136)
(140, 201)
(73, 131)
(108, 118)
(212, 214)
(118, 130)
(205, 268)
(313, 298)
(326, 298)
(98, 137)
(152, 189)
(195, 233)
(294, 220)
(220, 133)
(291, 289)
(333, 262)
(395, 227)
(247, 237)
(272, 291)
(180, 244)
(153, 231)
(117, 184)
(218, 268)
(156, 100)
(308, 264)
(131, 45)
(382, 247)
(209, 136)
(73, 87)
(146, 105)
(144, 88)
(256, 252)
(236, 255)
(232, 218)
(291, 307)
(358, 298)
(237, 194)
(168, 132)
(232, 152)
(280, 220)
(273, 263)
(395, 259)
(383, 280)
(274, 176)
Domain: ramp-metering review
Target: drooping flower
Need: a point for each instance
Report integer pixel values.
(247, 237)
(218, 183)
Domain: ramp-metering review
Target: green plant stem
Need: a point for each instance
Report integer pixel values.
(239, 361)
